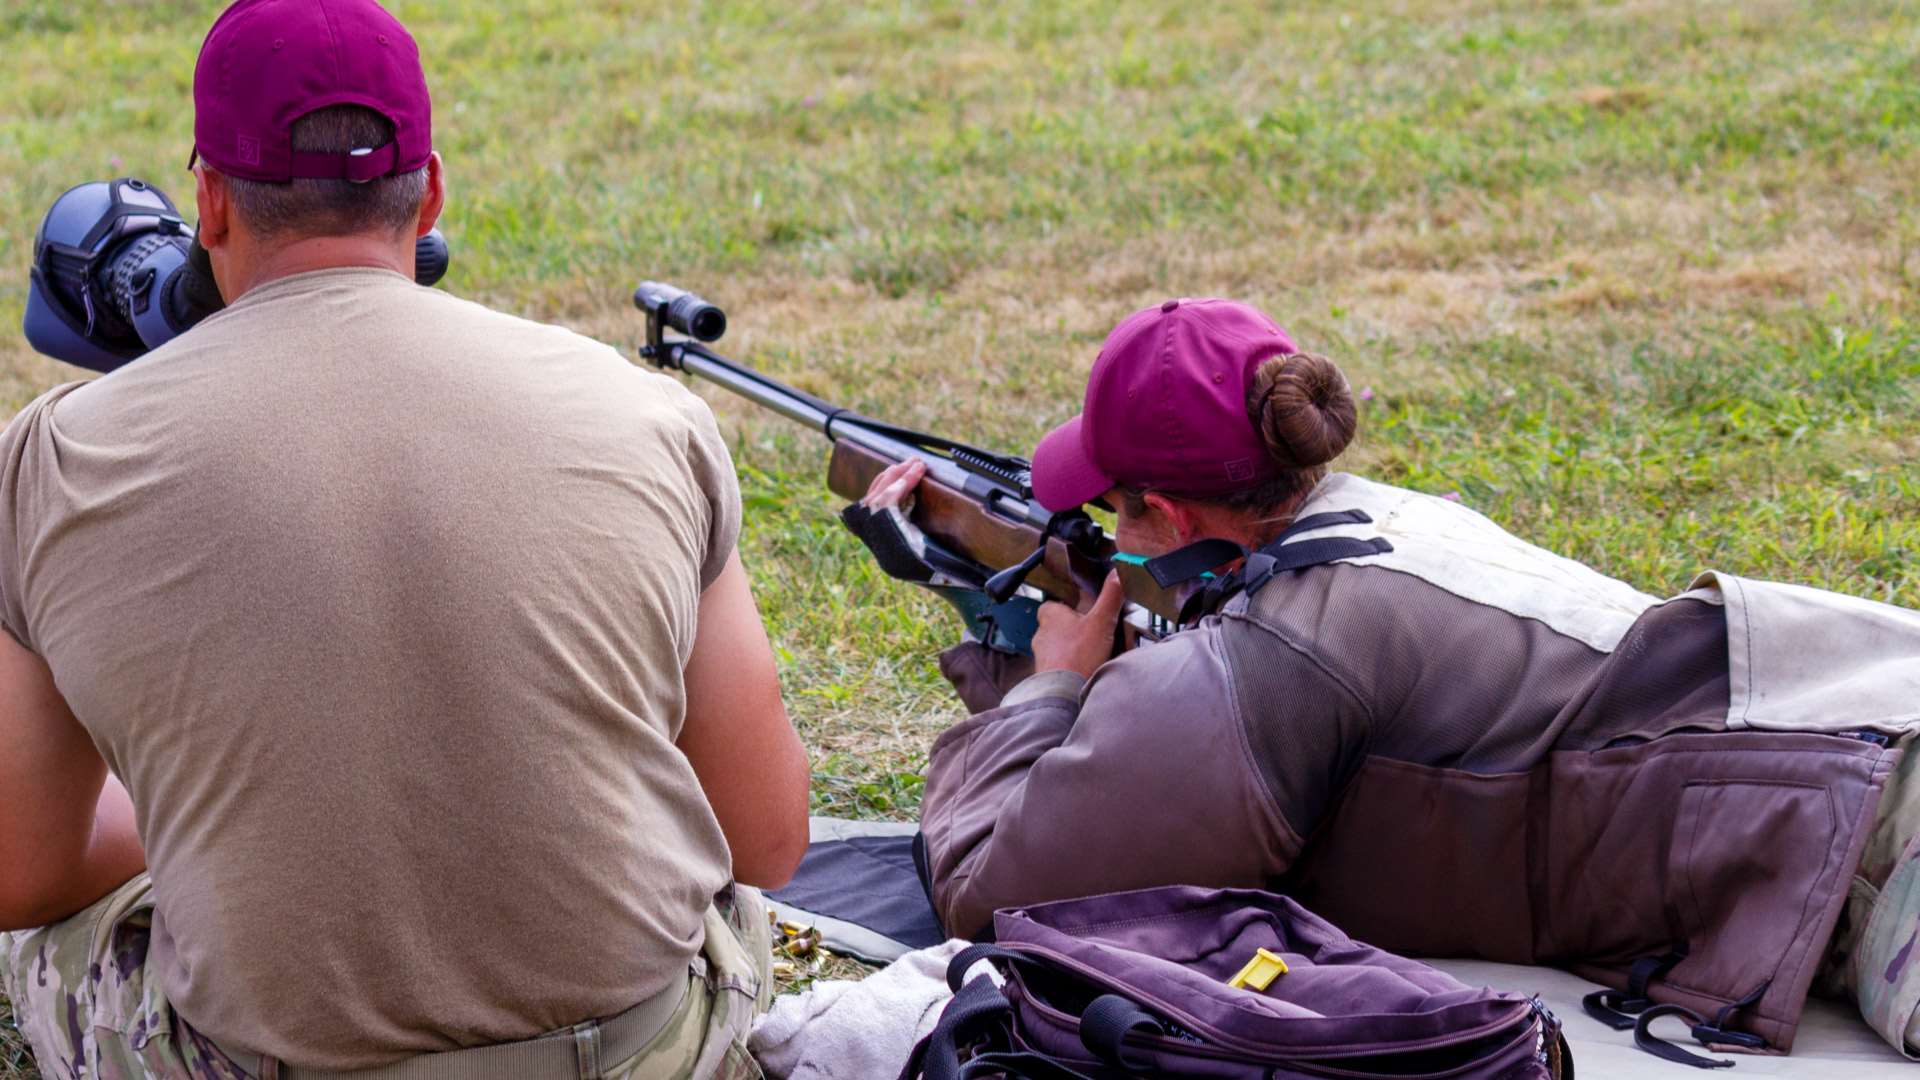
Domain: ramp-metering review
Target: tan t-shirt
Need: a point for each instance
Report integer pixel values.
(378, 601)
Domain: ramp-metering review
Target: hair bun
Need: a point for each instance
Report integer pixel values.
(1303, 409)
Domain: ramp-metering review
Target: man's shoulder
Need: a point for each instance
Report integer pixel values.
(521, 339)
(33, 413)
(383, 304)
(402, 329)
(445, 307)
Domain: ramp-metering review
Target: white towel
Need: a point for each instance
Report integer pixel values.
(856, 1030)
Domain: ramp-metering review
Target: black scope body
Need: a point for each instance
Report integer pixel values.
(681, 310)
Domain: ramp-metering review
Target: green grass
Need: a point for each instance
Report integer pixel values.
(1637, 280)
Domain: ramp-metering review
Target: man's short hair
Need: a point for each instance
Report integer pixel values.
(333, 207)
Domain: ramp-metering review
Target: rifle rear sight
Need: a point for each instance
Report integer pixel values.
(668, 307)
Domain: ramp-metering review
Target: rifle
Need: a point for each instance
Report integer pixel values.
(1002, 552)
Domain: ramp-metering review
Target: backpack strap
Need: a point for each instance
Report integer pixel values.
(1617, 1008)
(1275, 559)
(1324, 520)
(1107, 1021)
(1645, 1039)
(964, 960)
(979, 1017)
(976, 1011)
(1707, 1033)
(1104, 1023)
(1182, 565)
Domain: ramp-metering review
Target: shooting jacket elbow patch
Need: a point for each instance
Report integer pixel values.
(982, 676)
(1046, 685)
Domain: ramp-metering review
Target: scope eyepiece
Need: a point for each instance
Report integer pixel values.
(681, 310)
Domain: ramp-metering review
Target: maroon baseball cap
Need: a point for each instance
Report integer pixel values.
(267, 63)
(1166, 407)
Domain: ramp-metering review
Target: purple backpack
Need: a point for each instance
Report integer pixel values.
(1141, 984)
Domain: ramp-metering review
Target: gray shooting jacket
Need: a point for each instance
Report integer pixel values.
(1466, 746)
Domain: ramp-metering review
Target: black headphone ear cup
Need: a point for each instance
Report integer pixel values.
(430, 258)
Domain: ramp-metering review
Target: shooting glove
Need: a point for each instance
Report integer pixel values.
(904, 552)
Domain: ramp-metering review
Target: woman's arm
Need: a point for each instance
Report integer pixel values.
(1144, 779)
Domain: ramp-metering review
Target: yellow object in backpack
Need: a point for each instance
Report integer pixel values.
(1260, 971)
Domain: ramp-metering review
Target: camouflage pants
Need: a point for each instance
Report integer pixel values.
(1872, 959)
(83, 997)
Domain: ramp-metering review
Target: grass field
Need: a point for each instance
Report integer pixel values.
(1636, 279)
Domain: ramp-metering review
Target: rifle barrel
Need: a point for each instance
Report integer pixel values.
(802, 408)
(836, 424)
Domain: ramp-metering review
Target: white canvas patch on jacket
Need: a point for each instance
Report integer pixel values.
(1454, 548)
(1805, 659)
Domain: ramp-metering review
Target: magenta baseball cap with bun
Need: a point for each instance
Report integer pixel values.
(1166, 407)
(266, 63)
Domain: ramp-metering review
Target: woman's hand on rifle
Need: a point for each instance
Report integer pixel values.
(1069, 640)
(894, 486)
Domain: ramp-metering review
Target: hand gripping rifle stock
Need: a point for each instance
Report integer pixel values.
(973, 503)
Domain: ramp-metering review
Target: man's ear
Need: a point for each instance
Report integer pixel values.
(211, 195)
(436, 197)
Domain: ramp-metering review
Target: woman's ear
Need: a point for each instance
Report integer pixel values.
(1177, 518)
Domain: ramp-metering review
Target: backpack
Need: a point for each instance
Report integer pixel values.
(1186, 981)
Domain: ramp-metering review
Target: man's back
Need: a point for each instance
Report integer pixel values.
(378, 602)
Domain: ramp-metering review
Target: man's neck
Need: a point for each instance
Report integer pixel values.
(322, 253)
